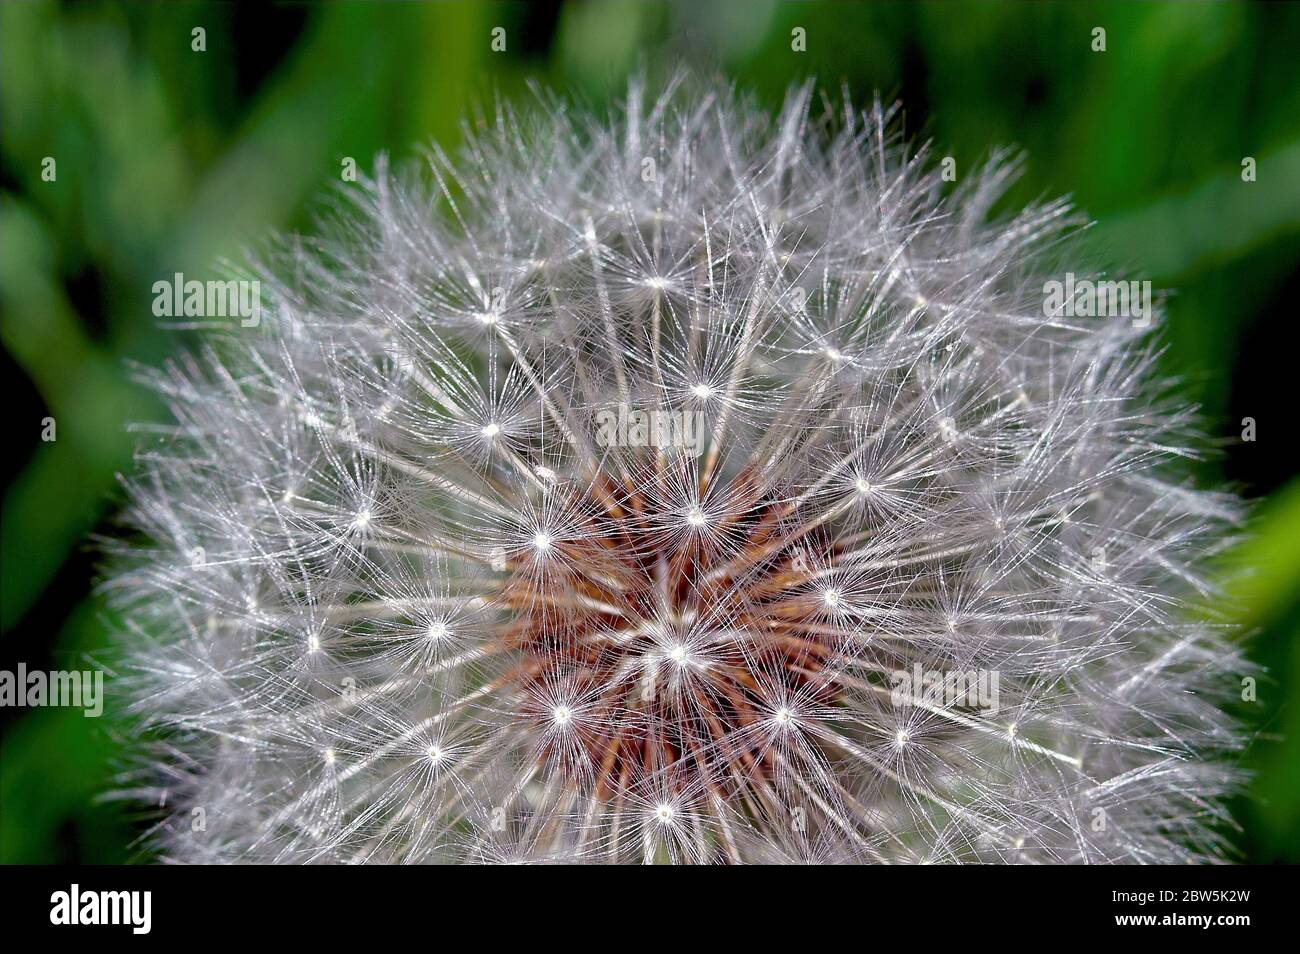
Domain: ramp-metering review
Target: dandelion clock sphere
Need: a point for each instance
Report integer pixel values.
(689, 485)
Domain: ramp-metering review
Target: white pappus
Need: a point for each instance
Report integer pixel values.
(389, 599)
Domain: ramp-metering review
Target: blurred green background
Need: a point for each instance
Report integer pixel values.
(169, 159)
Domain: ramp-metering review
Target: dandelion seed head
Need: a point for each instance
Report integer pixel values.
(788, 431)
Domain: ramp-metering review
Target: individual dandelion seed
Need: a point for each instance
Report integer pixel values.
(444, 616)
